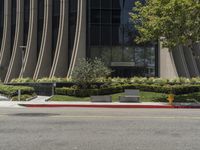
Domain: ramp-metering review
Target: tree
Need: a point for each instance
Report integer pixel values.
(88, 71)
(174, 22)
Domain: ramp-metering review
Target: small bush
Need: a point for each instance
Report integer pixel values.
(88, 71)
(52, 80)
(12, 90)
(22, 80)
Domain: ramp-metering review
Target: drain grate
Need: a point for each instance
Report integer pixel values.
(33, 114)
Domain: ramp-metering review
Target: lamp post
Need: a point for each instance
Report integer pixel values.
(23, 48)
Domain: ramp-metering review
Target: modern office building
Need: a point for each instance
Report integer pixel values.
(46, 38)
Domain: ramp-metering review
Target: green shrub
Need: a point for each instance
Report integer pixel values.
(23, 97)
(88, 71)
(22, 80)
(87, 92)
(53, 79)
(12, 90)
(105, 90)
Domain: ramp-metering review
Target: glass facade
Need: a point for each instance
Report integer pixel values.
(40, 24)
(26, 20)
(13, 22)
(55, 24)
(72, 25)
(110, 36)
(1, 19)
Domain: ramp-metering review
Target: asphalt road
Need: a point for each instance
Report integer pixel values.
(99, 129)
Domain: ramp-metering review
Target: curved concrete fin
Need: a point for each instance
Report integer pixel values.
(30, 58)
(60, 62)
(79, 50)
(44, 63)
(180, 62)
(167, 67)
(5, 46)
(16, 57)
(197, 53)
(190, 61)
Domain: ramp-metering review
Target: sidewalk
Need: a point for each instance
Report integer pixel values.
(41, 102)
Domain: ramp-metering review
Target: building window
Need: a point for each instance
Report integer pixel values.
(40, 24)
(1, 19)
(110, 36)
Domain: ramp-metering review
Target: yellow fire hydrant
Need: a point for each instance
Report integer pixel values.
(170, 99)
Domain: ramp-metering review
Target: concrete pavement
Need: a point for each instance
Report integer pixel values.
(99, 129)
(42, 101)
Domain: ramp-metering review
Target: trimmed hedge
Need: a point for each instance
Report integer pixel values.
(175, 89)
(87, 92)
(12, 90)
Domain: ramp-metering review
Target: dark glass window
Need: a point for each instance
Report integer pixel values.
(1, 20)
(72, 25)
(106, 35)
(96, 34)
(110, 36)
(13, 21)
(40, 24)
(106, 4)
(95, 16)
(116, 16)
(26, 20)
(106, 16)
(116, 4)
(95, 4)
(55, 25)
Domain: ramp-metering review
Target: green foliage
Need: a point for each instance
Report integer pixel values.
(22, 80)
(88, 92)
(42, 80)
(53, 79)
(89, 71)
(174, 22)
(23, 97)
(12, 90)
(111, 89)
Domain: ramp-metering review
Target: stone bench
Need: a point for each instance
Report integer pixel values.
(101, 98)
(130, 96)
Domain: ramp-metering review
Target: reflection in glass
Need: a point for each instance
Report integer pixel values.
(109, 30)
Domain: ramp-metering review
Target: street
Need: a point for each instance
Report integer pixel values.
(99, 129)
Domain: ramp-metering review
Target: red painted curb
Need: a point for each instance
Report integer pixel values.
(98, 106)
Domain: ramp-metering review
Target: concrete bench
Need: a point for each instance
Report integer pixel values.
(130, 96)
(101, 98)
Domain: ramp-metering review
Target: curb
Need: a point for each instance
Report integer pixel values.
(107, 106)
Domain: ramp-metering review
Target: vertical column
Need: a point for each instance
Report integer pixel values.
(190, 61)
(30, 58)
(60, 62)
(16, 57)
(167, 67)
(79, 50)
(6, 40)
(197, 55)
(180, 62)
(43, 66)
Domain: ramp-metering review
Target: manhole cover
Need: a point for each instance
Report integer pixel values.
(34, 114)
